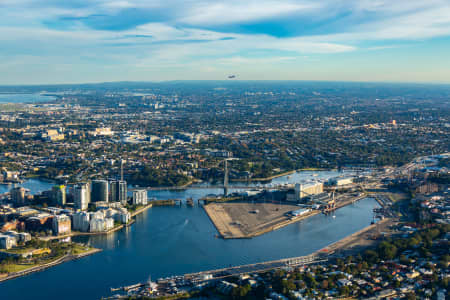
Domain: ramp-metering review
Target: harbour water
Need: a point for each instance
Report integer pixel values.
(35, 186)
(24, 98)
(167, 241)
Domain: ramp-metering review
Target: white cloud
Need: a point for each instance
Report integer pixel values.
(242, 11)
(180, 40)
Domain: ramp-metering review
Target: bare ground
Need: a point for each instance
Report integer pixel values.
(244, 220)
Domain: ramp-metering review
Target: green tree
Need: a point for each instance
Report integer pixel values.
(387, 250)
(344, 290)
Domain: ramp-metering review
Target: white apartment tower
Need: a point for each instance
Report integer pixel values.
(82, 196)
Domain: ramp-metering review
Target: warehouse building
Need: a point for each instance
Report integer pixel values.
(303, 190)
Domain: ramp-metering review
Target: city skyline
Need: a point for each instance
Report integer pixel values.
(98, 41)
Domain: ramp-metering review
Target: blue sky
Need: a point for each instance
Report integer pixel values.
(54, 41)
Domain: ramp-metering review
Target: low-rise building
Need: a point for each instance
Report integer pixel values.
(21, 237)
(226, 287)
(339, 181)
(39, 222)
(52, 135)
(99, 224)
(7, 241)
(102, 131)
(122, 216)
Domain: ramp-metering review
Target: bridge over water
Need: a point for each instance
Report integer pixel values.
(254, 268)
(199, 277)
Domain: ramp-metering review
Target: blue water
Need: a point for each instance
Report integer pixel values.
(35, 186)
(167, 241)
(24, 98)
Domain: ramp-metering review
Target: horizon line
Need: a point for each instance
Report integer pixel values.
(230, 81)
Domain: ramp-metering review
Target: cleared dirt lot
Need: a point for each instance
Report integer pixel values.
(245, 220)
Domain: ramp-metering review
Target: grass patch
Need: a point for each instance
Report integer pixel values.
(80, 249)
(395, 197)
(11, 268)
(18, 250)
(224, 199)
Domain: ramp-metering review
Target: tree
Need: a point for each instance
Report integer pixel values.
(386, 250)
(404, 260)
(413, 242)
(288, 285)
(443, 263)
(244, 290)
(344, 290)
(349, 259)
(371, 256)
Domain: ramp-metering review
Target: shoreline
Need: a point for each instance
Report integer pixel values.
(67, 258)
(186, 185)
(265, 178)
(141, 210)
(194, 181)
(349, 239)
(277, 226)
(322, 255)
(77, 233)
(39, 268)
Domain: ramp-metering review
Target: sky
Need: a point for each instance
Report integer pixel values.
(82, 41)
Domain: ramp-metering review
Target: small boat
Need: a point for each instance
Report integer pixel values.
(334, 216)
